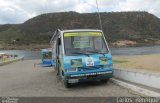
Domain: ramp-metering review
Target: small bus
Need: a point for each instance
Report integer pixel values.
(81, 55)
(46, 55)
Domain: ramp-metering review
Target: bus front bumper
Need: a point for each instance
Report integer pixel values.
(88, 76)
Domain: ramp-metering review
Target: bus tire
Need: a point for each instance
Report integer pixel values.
(57, 68)
(104, 80)
(66, 84)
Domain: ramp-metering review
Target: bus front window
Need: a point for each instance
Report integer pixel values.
(84, 42)
(47, 55)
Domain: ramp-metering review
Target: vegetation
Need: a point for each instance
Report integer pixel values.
(119, 61)
(146, 62)
(141, 27)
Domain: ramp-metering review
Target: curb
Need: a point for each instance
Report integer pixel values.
(137, 76)
(11, 61)
(135, 88)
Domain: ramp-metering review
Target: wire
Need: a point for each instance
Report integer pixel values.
(101, 25)
(100, 22)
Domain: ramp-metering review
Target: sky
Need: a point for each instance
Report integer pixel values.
(18, 11)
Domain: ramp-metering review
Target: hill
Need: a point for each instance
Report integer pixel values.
(119, 27)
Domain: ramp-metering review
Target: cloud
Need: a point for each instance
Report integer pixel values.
(139, 5)
(10, 13)
(44, 6)
(128, 5)
(18, 11)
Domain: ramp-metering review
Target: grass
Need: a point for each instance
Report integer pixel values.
(119, 61)
(5, 60)
(150, 62)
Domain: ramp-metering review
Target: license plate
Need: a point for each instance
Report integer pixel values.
(73, 81)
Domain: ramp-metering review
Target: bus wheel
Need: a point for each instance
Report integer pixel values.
(104, 80)
(57, 68)
(66, 84)
(57, 72)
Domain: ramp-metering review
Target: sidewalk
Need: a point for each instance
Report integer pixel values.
(138, 76)
(142, 89)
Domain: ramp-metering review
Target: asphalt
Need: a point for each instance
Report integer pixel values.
(27, 79)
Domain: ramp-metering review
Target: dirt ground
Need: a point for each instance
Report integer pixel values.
(28, 79)
(150, 62)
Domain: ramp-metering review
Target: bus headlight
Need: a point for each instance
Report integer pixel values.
(76, 62)
(103, 60)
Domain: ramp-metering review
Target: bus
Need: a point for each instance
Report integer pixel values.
(81, 55)
(46, 55)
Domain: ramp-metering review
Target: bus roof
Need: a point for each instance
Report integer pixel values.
(47, 50)
(72, 30)
(78, 30)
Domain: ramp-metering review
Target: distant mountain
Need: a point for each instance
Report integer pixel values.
(140, 27)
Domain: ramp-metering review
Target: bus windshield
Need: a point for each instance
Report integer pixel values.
(47, 55)
(84, 43)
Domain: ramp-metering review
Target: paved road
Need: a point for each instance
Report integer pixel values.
(23, 79)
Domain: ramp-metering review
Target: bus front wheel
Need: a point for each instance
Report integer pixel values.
(104, 80)
(66, 84)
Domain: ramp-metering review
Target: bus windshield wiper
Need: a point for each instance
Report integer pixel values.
(81, 53)
(96, 52)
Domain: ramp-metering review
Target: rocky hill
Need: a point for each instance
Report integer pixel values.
(131, 27)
